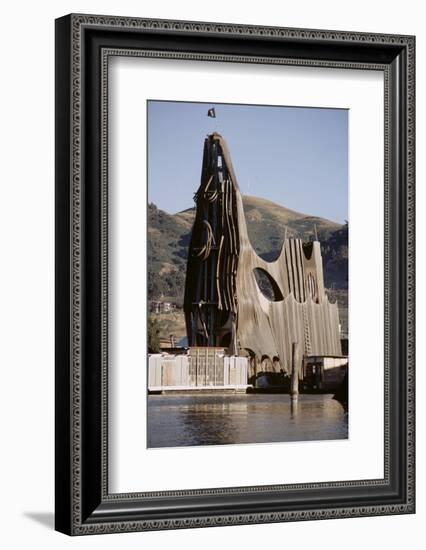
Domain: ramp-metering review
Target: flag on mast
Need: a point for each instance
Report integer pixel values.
(211, 112)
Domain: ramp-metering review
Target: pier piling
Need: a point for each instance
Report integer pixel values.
(294, 387)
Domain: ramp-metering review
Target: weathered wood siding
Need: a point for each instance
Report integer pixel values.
(223, 302)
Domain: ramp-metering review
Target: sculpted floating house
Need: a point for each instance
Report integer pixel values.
(225, 304)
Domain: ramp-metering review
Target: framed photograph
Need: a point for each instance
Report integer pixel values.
(234, 274)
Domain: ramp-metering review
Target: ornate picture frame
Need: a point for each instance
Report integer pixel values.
(84, 45)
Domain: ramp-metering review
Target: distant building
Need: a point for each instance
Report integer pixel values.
(161, 307)
(324, 373)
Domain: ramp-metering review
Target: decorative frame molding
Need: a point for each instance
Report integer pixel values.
(84, 44)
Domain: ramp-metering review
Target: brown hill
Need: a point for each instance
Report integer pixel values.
(267, 223)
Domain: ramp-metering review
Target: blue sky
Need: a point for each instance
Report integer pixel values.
(294, 156)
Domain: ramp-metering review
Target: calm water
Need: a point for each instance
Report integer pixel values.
(182, 420)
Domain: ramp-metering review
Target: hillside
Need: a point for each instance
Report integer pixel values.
(168, 240)
(335, 254)
(267, 222)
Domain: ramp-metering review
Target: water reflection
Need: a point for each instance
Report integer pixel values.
(185, 420)
(294, 406)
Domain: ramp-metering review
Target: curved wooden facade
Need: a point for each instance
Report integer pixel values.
(224, 305)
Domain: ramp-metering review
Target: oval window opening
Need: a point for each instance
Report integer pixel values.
(267, 285)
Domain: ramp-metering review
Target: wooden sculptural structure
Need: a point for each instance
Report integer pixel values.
(224, 305)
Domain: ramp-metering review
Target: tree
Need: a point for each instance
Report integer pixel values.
(153, 335)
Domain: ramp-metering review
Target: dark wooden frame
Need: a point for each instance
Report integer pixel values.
(83, 45)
